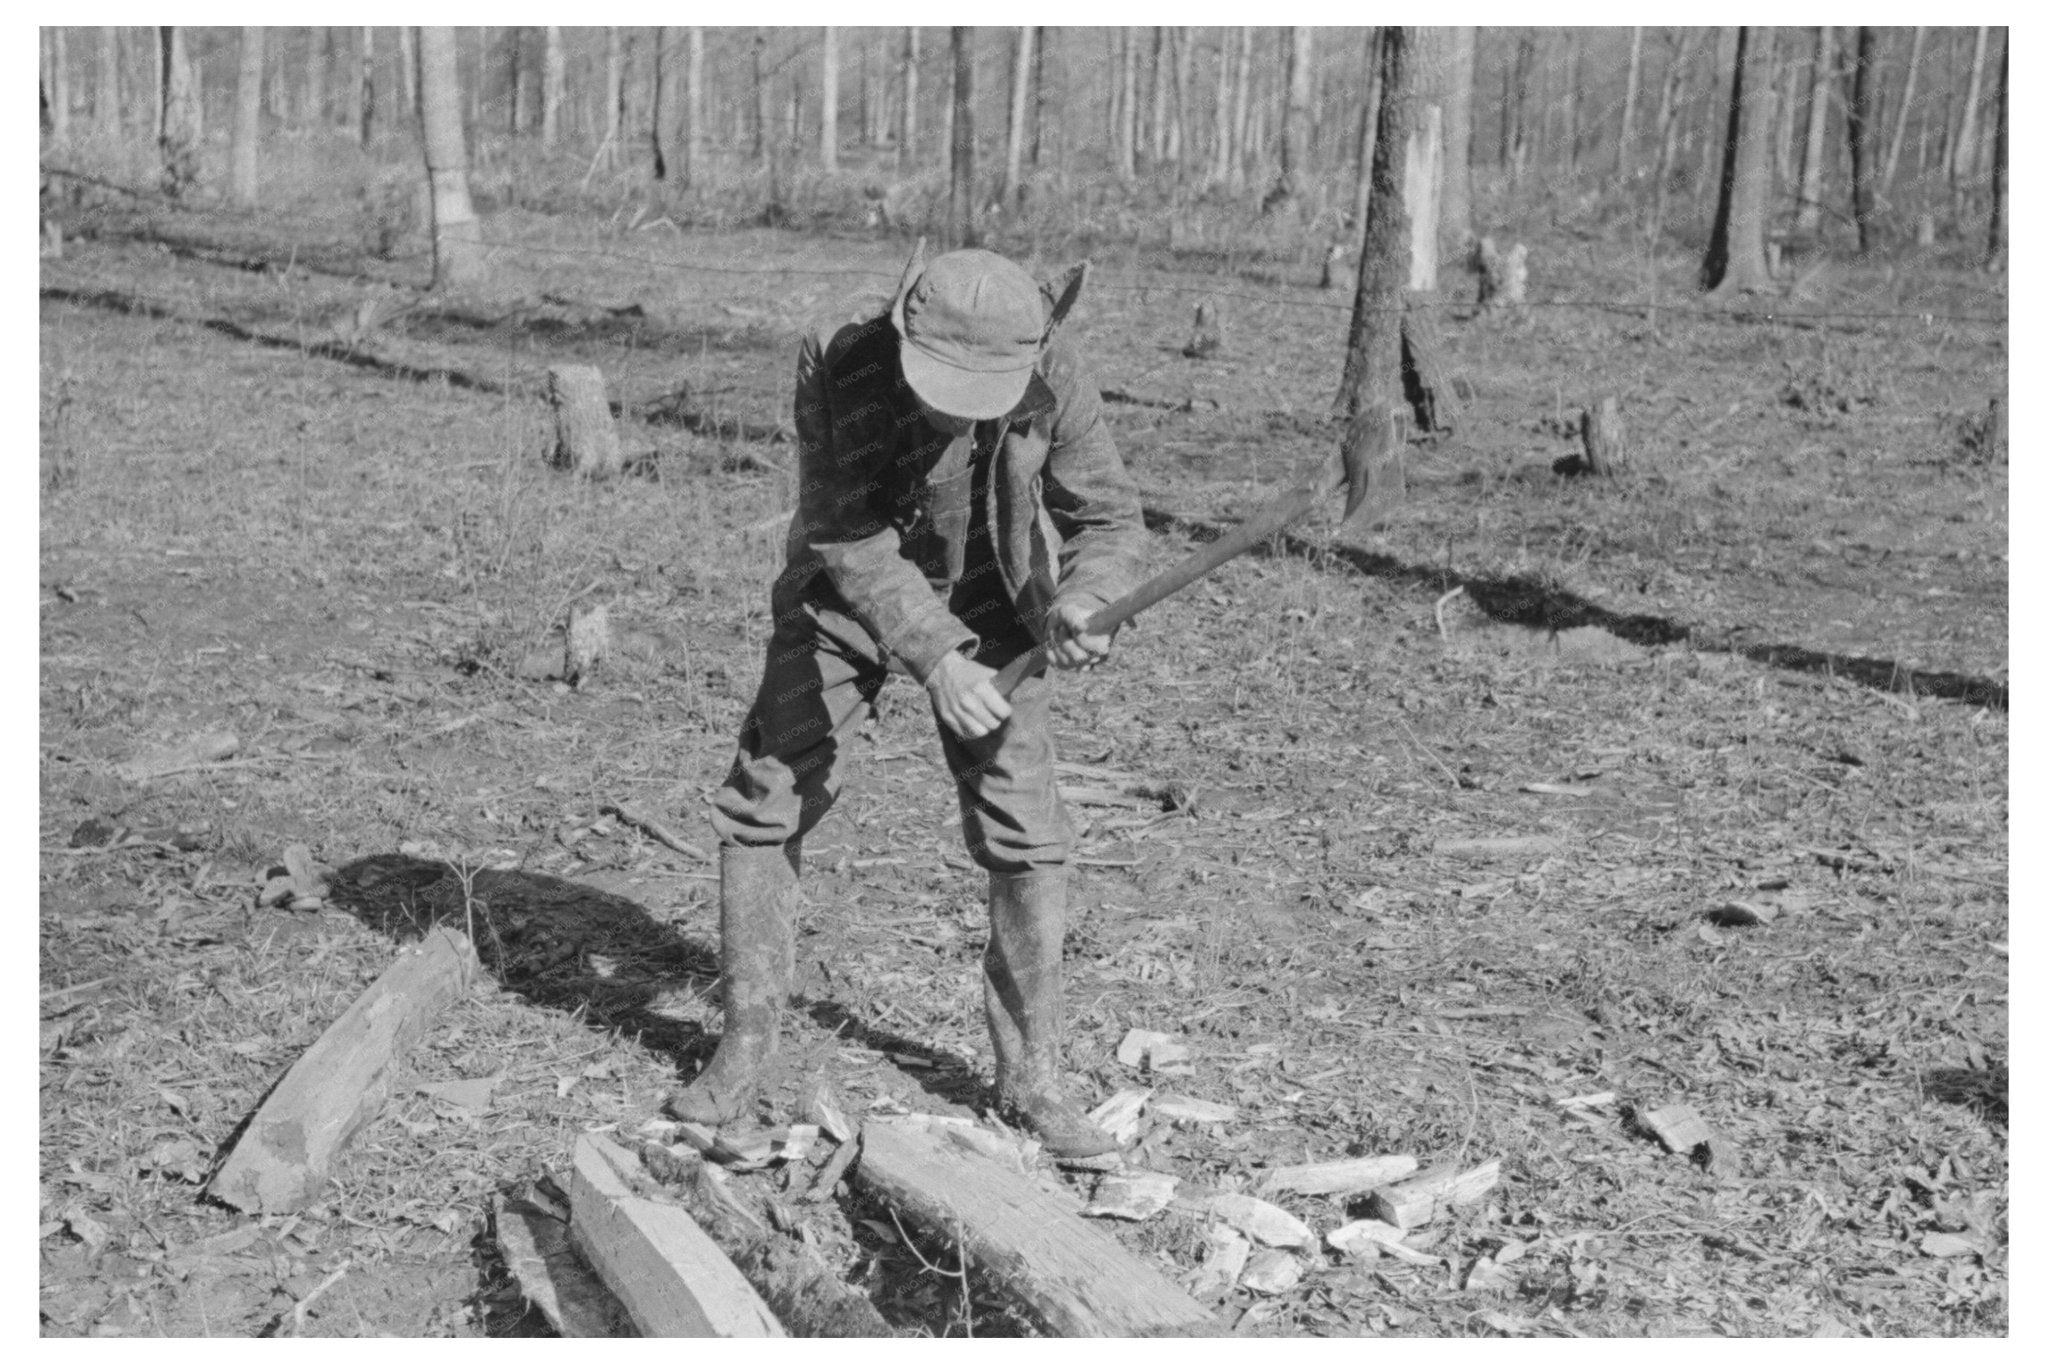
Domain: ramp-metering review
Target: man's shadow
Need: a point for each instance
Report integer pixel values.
(543, 938)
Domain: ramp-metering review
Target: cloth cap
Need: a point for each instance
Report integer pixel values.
(971, 327)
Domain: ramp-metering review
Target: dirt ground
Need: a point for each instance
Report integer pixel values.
(1432, 836)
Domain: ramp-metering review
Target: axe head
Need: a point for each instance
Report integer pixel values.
(1059, 295)
(1374, 479)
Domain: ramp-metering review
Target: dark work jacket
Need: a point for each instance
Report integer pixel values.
(1062, 511)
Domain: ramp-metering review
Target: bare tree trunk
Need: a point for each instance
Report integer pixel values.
(693, 108)
(1816, 133)
(1624, 148)
(1020, 89)
(1519, 141)
(828, 103)
(1994, 250)
(1294, 114)
(458, 236)
(1571, 99)
(1891, 160)
(515, 60)
(1964, 156)
(1368, 132)
(408, 74)
(1038, 99)
(1669, 101)
(60, 87)
(1179, 134)
(1735, 260)
(1862, 162)
(248, 117)
(1162, 91)
(1240, 114)
(178, 143)
(1456, 230)
(106, 93)
(551, 86)
(1127, 106)
(1220, 151)
(667, 97)
(1422, 161)
(906, 142)
(1372, 353)
(763, 153)
(960, 228)
(366, 89)
(614, 90)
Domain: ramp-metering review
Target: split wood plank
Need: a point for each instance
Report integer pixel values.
(537, 1252)
(1073, 1278)
(1340, 1176)
(1416, 1201)
(671, 1277)
(340, 1082)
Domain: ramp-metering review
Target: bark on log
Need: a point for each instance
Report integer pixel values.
(803, 1293)
(1425, 383)
(536, 1251)
(671, 1277)
(586, 439)
(282, 1161)
(1073, 1278)
(1606, 445)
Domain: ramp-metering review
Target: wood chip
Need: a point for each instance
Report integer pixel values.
(1339, 1176)
(1121, 1113)
(1942, 1244)
(1369, 1238)
(823, 1110)
(1228, 1254)
(1132, 1197)
(1271, 1272)
(1174, 1108)
(1141, 1049)
(1260, 1220)
(1683, 1133)
(1416, 1201)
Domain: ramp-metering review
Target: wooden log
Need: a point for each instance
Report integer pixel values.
(586, 440)
(1072, 1278)
(1601, 435)
(806, 1297)
(341, 1081)
(1416, 1201)
(536, 1251)
(672, 1278)
(1339, 1176)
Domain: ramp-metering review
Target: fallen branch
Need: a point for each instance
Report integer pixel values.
(654, 829)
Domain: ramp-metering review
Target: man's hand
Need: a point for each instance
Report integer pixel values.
(1070, 645)
(966, 698)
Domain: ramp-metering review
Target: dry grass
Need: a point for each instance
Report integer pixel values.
(259, 528)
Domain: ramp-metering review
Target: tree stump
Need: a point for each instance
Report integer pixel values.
(1333, 261)
(1425, 383)
(1503, 279)
(588, 641)
(1208, 337)
(1601, 435)
(586, 440)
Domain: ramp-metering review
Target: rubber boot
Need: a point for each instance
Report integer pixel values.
(1021, 984)
(757, 955)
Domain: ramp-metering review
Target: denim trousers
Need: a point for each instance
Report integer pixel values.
(820, 683)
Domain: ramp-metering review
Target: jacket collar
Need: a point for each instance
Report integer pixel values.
(1038, 401)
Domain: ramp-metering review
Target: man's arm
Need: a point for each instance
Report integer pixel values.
(1091, 497)
(861, 551)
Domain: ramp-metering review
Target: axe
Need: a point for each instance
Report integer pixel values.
(1364, 467)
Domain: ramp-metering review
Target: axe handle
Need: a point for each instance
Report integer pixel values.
(1277, 515)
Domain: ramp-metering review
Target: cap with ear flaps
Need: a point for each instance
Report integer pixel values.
(971, 327)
